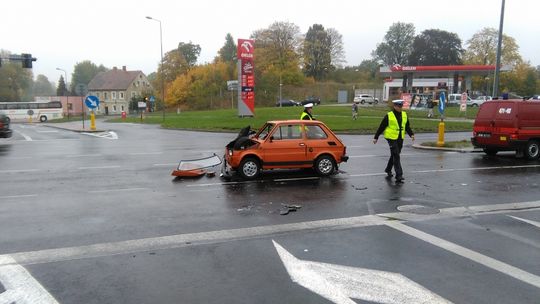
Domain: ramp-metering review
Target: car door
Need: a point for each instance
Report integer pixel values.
(318, 141)
(285, 147)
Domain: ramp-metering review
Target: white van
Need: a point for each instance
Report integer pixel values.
(455, 100)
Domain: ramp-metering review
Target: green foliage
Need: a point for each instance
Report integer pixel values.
(436, 47)
(397, 45)
(317, 52)
(83, 72)
(190, 52)
(43, 87)
(227, 53)
(15, 81)
(482, 49)
(61, 89)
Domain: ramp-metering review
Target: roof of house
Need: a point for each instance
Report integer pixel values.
(115, 79)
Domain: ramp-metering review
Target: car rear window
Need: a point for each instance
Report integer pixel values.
(292, 131)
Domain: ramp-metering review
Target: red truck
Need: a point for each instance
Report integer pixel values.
(508, 125)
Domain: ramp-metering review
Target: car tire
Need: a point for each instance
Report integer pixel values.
(43, 118)
(532, 151)
(474, 105)
(249, 168)
(8, 120)
(325, 165)
(490, 151)
(362, 101)
(375, 101)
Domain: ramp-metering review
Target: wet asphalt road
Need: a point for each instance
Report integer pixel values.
(99, 219)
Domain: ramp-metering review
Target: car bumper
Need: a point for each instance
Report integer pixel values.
(344, 158)
(6, 134)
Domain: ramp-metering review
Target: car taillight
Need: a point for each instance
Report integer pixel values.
(344, 150)
(474, 134)
(230, 152)
(514, 136)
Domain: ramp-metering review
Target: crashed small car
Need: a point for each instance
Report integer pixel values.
(284, 144)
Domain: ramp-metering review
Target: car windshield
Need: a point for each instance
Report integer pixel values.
(264, 131)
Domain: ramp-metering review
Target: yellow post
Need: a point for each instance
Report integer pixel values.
(440, 141)
(92, 121)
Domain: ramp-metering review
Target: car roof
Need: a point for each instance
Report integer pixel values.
(295, 121)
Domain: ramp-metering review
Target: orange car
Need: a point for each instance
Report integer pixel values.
(284, 144)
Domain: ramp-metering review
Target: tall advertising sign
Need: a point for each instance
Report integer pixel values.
(246, 78)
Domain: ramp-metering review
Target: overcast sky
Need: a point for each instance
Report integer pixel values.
(61, 33)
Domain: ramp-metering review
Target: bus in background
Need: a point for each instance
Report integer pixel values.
(41, 110)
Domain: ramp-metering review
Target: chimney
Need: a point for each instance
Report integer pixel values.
(124, 68)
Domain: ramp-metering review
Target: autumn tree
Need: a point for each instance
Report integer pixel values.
(397, 45)
(436, 47)
(337, 53)
(15, 81)
(482, 49)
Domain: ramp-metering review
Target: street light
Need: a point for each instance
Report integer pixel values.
(162, 76)
(67, 97)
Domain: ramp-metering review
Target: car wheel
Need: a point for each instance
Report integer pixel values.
(8, 120)
(474, 105)
(375, 101)
(325, 165)
(490, 151)
(43, 118)
(532, 150)
(362, 101)
(249, 168)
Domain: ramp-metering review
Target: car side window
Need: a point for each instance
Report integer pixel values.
(315, 132)
(288, 132)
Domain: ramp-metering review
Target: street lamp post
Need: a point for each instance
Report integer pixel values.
(498, 60)
(162, 76)
(67, 97)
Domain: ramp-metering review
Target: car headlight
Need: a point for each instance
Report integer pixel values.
(230, 152)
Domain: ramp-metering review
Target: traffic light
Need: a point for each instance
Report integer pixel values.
(27, 61)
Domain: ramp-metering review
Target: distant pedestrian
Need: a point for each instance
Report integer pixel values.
(394, 125)
(430, 106)
(355, 110)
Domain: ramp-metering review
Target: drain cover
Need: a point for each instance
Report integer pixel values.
(418, 209)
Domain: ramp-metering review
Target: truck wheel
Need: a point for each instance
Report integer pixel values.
(249, 168)
(325, 165)
(43, 118)
(532, 150)
(490, 151)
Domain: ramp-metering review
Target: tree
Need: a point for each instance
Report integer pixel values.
(336, 47)
(482, 49)
(190, 52)
(61, 89)
(397, 44)
(436, 47)
(42, 86)
(15, 81)
(227, 53)
(83, 72)
(317, 52)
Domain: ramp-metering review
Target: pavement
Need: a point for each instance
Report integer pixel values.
(75, 126)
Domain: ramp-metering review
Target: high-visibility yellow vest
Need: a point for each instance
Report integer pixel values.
(392, 130)
(304, 114)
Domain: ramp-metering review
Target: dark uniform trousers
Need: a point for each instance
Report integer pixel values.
(394, 160)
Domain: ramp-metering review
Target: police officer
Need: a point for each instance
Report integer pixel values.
(394, 125)
(307, 113)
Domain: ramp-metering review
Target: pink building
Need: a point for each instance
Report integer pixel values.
(72, 104)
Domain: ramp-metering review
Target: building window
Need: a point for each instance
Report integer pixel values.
(97, 95)
(113, 95)
(133, 94)
(122, 108)
(114, 108)
(121, 95)
(104, 95)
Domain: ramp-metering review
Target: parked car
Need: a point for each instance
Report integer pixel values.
(5, 131)
(535, 97)
(455, 100)
(478, 101)
(287, 103)
(284, 144)
(363, 98)
(508, 125)
(312, 99)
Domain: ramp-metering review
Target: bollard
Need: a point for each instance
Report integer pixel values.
(92, 121)
(440, 141)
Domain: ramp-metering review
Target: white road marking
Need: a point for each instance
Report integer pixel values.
(26, 137)
(477, 169)
(85, 155)
(102, 167)
(18, 196)
(47, 131)
(339, 283)
(20, 286)
(107, 135)
(146, 153)
(219, 236)
(117, 190)
(19, 171)
(474, 256)
(534, 223)
(295, 179)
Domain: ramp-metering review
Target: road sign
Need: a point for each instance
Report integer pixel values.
(152, 99)
(141, 104)
(463, 104)
(30, 112)
(442, 102)
(91, 101)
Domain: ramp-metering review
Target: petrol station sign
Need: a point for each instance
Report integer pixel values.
(246, 77)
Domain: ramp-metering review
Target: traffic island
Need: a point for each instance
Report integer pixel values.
(463, 146)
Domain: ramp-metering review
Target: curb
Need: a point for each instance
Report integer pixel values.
(75, 130)
(468, 150)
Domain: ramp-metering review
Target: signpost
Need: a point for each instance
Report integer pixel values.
(30, 113)
(91, 102)
(442, 106)
(246, 78)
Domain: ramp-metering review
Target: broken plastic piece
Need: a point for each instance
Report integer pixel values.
(196, 167)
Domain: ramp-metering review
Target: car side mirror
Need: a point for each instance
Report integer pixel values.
(271, 138)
